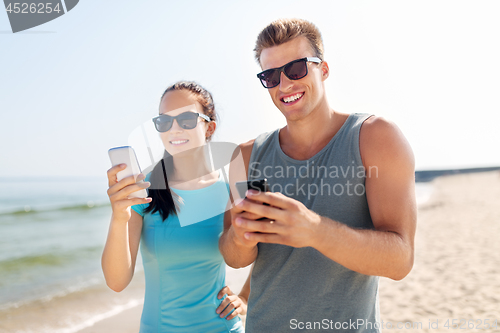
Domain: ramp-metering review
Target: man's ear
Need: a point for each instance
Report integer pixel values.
(325, 70)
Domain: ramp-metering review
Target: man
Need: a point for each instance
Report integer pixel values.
(341, 211)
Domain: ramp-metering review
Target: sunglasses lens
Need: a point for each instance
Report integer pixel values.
(163, 123)
(270, 79)
(296, 70)
(187, 120)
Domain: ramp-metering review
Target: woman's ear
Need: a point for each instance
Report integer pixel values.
(210, 129)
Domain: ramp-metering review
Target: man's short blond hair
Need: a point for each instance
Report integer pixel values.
(284, 30)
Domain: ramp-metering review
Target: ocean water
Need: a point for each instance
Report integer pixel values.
(52, 233)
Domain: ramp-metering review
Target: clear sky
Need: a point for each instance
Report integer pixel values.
(76, 86)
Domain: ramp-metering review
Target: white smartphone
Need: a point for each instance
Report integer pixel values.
(126, 154)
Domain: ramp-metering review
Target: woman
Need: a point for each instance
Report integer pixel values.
(178, 226)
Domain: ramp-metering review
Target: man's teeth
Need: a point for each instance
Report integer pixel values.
(292, 98)
(178, 142)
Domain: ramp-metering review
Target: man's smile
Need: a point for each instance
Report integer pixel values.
(292, 98)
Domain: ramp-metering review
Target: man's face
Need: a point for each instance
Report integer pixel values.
(296, 99)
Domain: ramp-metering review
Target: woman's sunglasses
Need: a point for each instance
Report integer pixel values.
(294, 70)
(186, 120)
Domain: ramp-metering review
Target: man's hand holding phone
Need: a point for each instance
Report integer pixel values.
(239, 212)
(287, 221)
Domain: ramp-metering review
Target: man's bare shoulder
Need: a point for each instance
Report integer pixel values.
(375, 128)
(381, 139)
(241, 155)
(246, 147)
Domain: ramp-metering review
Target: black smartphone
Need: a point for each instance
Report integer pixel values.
(257, 185)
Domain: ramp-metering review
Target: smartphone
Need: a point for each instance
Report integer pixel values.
(257, 185)
(126, 154)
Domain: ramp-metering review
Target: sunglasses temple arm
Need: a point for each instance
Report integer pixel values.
(147, 144)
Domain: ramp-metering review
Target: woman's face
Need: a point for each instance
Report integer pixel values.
(178, 139)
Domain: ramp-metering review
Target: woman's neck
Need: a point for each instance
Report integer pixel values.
(192, 170)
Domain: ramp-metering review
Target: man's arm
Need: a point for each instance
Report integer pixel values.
(390, 190)
(237, 251)
(385, 251)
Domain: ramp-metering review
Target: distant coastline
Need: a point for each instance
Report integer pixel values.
(428, 175)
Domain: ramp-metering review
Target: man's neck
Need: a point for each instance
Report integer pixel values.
(304, 138)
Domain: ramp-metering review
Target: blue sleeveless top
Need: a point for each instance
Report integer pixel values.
(183, 267)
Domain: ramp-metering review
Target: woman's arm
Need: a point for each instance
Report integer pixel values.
(245, 290)
(120, 252)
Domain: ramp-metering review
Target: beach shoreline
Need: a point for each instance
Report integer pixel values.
(94, 309)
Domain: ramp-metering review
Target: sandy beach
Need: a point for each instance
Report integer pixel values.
(454, 284)
(456, 275)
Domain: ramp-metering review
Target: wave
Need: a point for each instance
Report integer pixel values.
(99, 317)
(34, 260)
(47, 259)
(62, 308)
(60, 292)
(27, 209)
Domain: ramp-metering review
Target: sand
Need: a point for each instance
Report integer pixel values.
(456, 275)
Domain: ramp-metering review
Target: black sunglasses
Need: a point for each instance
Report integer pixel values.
(186, 120)
(294, 70)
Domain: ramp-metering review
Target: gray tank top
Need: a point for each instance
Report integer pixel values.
(299, 289)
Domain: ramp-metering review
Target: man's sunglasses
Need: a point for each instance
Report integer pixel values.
(294, 70)
(186, 120)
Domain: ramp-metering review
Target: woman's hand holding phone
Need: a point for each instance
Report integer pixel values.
(119, 192)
